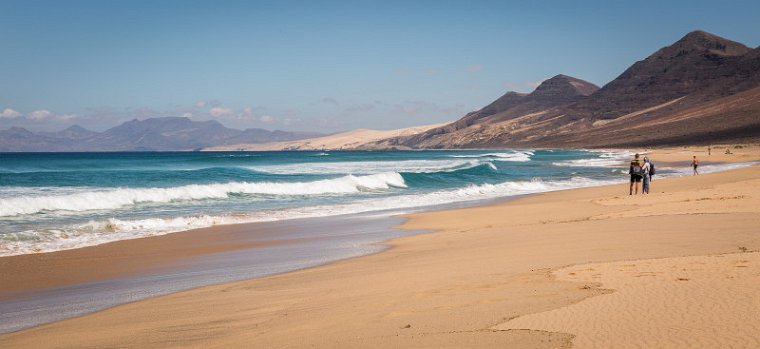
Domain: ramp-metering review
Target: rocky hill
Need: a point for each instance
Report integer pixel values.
(156, 134)
(703, 88)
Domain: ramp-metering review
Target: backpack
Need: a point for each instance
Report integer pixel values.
(651, 168)
(636, 168)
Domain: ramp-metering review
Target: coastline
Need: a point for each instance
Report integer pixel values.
(425, 252)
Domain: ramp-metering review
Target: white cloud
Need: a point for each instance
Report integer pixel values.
(9, 113)
(219, 112)
(200, 104)
(66, 117)
(39, 114)
(266, 118)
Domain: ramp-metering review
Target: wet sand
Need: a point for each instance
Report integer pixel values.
(96, 278)
(24, 273)
(478, 280)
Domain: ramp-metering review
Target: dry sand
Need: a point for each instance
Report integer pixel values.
(344, 140)
(686, 302)
(683, 155)
(514, 275)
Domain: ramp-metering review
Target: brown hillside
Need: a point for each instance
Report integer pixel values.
(702, 88)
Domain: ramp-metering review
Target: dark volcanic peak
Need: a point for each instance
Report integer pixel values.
(703, 42)
(504, 102)
(699, 63)
(702, 87)
(564, 86)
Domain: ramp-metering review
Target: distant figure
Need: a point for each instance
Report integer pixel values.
(636, 174)
(695, 164)
(646, 175)
(728, 151)
(708, 150)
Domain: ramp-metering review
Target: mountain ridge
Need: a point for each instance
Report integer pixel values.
(152, 134)
(700, 69)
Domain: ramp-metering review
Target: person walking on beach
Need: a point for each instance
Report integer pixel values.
(646, 176)
(695, 164)
(635, 172)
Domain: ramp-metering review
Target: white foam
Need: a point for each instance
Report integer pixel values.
(591, 163)
(95, 233)
(615, 154)
(606, 158)
(122, 197)
(368, 167)
(518, 156)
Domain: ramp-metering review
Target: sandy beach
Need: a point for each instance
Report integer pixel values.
(583, 268)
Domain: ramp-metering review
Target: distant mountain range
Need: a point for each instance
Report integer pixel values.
(701, 89)
(156, 134)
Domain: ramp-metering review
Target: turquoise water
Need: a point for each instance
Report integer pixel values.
(57, 201)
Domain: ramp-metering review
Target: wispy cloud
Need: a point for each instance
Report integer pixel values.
(39, 114)
(67, 117)
(219, 112)
(9, 113)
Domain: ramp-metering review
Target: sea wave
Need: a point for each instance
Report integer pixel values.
(518, 156)
(606, 162)
(607, 158)
(367, 167)
(99, 232)
(121, 197)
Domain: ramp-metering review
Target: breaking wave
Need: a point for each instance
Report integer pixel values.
(521, 156)
(100, 232)
(368, 167)
(122, 197)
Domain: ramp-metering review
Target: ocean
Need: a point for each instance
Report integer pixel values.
(58, 201)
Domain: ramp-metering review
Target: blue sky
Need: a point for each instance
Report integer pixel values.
(320, 65)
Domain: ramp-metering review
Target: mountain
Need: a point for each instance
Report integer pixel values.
(699, 89)
(155, 134)
(72, 132)
(553, 92)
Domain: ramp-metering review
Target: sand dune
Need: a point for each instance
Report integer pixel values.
(344, 140)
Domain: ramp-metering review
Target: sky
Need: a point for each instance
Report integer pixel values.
(322, 66)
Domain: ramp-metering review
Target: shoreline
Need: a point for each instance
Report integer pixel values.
(438, 221)
(673, 158)
(103, 276)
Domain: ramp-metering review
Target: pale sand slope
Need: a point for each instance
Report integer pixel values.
(687, 302)
(344, 140)
(453, 289)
